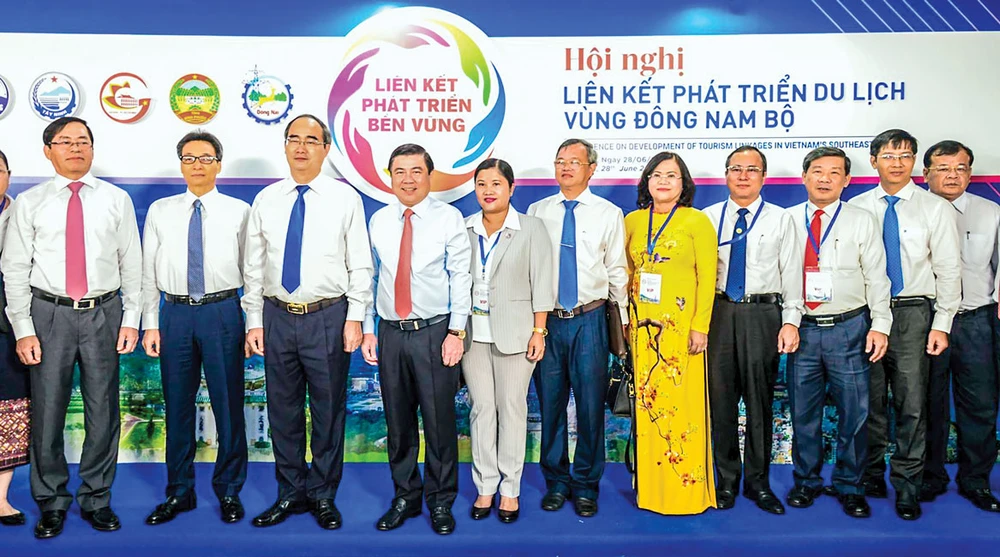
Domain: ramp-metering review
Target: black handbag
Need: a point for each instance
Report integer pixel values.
(621, 386)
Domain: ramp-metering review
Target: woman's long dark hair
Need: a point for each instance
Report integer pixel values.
(687, 182)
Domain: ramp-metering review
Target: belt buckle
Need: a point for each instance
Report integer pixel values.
(85, 304)
(193, 302)
(825, 321)
(405, 323)
(295, 308)
(564, 314)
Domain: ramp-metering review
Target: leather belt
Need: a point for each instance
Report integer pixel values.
(831, 320)
(416, 324)
(988, 308)
(909, 301)
(752, 298)
(85, 303)
(206, 299)
(579, 310)
(302, 309)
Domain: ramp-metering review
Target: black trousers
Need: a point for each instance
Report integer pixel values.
(413, 375)
(301, 350)
(969, 366)
(904, 369)
(742, 363)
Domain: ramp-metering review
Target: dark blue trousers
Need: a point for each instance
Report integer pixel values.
(210, 336)
(301, 350)
(831, 358)
(576, 356)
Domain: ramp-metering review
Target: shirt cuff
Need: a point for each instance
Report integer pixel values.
(942, 322)
(255, 320)
(130, 319)
(368, 325)
(457, 321)
(882, 325)
(791, 317)
(355, 312)
(23, 328)
(151, 320)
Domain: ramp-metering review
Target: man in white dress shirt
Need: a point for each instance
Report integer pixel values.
(193, 255)
(307, 272)
(845, 327)
(755, 319)
(922, 260)
(72, 243)
(424, 297)
(588, 249)
(968, 363)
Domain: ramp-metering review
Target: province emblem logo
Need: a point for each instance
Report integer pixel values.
(267, 99)
(195, 99)
(5, 97)
(125, 98)
(54, 95)
(415, 75)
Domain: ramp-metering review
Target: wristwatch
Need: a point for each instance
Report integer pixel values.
(541, 330)
(460, 333)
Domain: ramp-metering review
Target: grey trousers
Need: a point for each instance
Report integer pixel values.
(68, 336)
(498, 387)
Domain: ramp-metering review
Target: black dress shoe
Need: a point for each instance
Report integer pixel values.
(584, 506)
(875, 487)
(232, 509)
(50, 525)
(725, 499)
(508, 516)
(802, 496)
(280, 511)
(16, 519)
(855, 505)
(831, 490)
(102, 520)
(327, 515)
(982, 498)
(553, 501)
(442, 521)
(766, 501)
(168, 510)
(479, 513)
(930, 492)
(907, 508)
(397, 514)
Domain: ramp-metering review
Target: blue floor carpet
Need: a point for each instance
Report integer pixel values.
(950, 526)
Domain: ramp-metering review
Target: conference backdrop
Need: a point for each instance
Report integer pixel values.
(474, 80)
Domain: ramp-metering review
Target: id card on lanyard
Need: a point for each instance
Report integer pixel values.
(481, 289)
(819, 283)
(651, 284)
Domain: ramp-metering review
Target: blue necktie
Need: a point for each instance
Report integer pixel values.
(291, 268)
(196, 255)
(890, 237)
(568, 293)
(737, 278)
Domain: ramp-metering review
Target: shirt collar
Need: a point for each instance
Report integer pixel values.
(62, 182)
(420, 209)
(511, 221)
(586, 197)
(318, 185)
(905, 193)
(206, 199)
(829, 210)
(732, 208)
(962, 203)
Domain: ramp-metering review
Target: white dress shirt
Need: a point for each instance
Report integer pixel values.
(774, 265)
(481, 278)
(336, 255)
(929, 247)
(34, 253)
(601, 267)
(853, 253)
(5, 218)
(165, 247)
(440, 282)
(978, 226)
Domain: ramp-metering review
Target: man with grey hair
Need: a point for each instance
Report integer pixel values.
(588, 241)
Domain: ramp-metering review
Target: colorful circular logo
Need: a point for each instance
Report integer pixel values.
(5, 96)
(125, 98)
(195, 98)
(415, 75)
(267, 99)
(54, 95)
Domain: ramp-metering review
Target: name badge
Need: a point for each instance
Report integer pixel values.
(481, 299)
(649, 288)
(819, 285)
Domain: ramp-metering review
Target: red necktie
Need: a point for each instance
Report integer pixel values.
(812, 257)
(76, 251)
(404, 304)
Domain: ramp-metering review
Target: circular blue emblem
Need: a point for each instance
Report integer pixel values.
(267, 99)
(6, 97)
(54, 95)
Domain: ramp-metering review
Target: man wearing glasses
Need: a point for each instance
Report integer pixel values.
(757, 310)
(588, 242)
(920, 234)
(968, 363)
(192, 253)
(308, 278)
(72, 265)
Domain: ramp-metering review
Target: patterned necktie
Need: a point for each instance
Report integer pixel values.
(568, 289)
(812, 256)
(737, 278)
(196, 255)
(291, 268)
(76, 250)
(890, 237)
(404, 301)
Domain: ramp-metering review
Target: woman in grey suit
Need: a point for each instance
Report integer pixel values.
(511, 297)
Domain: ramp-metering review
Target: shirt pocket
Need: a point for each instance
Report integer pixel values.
(765, 249)
(977, 249)
(846, 256)
(428, 253)
(913, 241)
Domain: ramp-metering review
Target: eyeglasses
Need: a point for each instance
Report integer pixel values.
(668, 177)
(82, 145)
(204, 159)
(902, 157)
(961, 169)
(298, 142)
(751, 170)
(573, 163)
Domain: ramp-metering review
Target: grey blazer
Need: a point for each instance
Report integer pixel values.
(520, 283)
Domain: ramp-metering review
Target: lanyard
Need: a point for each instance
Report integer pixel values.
(650, 239)
(484, 255)
(738, 237)
(812, 239)
(3, 205)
